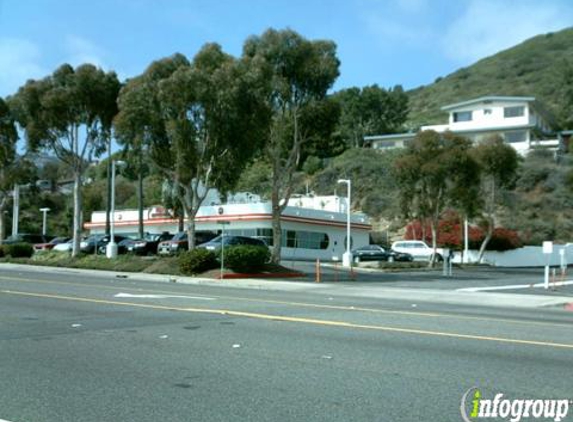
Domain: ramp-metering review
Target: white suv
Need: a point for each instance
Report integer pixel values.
(418, 249)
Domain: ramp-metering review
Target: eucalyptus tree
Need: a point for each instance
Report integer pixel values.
(213, 124)
(200, 121)
(69, 112)
(370, 110)
(498, 162)
(434, 172)
(139, 123)
(295, 75)
(8, 140)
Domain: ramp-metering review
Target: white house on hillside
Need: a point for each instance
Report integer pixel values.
(520, 121)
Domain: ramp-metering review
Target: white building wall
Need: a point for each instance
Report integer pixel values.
(494, 119)
(528, 256)
(254, 216)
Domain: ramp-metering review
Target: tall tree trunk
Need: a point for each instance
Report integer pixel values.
(488, 236)
(277, 229)
(191, 233)
(140, 202)
(490, 220)
(2, 220)
(434, 229)
(180, 220)
(77, 231)
(108, 191)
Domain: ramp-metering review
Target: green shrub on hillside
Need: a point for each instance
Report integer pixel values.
(18, 250)
(246, 258)
(197, 261)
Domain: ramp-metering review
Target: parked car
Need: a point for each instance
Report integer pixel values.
(418, 249)
(27, 238)
(148, 245)
(51, 244)
(119, 239)
(215, 244)
(64, 247)
(96, 241)
(378, 253)
(179, 242)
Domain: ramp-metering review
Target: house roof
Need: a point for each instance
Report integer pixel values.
(490, 98)
(393, 136)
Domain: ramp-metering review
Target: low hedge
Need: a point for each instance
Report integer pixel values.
(18, 250)
(197, 261)
(246, 258)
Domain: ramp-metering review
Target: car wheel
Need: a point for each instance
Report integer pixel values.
(439, 258)
(390, 259)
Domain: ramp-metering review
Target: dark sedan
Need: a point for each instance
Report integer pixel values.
(378, 253)
(27, 238)
(147, 245)
(98, 241)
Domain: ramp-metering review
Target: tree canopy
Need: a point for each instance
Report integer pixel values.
(52, 112)
(370, 110)
(295, 75)
(433, 171)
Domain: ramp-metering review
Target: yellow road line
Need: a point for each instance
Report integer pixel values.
(312, 321)
(418, 314)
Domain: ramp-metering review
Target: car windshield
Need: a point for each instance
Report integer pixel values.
(217, 240)
(180, 236)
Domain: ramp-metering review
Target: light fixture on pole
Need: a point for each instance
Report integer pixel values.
(44, 219)
(111, 248)
(347, 256)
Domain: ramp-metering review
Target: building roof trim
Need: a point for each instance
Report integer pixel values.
(491, 98)
(393, 136)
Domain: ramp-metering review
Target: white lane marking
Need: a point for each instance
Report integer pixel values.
(4, 420)
(135, 296)
(515, 286)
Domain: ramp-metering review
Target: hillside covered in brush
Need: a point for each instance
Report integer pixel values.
(532, 68)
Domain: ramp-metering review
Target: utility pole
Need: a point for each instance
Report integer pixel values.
(15, 209)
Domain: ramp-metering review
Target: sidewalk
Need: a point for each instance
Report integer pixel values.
(347, 289)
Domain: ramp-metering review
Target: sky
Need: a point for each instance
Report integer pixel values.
(384, 42)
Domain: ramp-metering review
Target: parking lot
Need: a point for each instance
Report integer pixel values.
(494, 279)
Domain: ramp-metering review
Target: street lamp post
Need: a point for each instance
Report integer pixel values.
(347, 256)
(111, 248)
(44, 219)
(223, 224)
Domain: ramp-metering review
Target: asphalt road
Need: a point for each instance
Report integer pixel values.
(75, 347)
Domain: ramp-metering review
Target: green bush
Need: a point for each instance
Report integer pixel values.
(197, 261)
(19, 250)
(246, 258)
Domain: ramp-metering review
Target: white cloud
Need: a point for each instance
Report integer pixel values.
(19, 61)
(80, 51)
(488, 26)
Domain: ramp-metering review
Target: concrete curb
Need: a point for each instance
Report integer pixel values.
(411, 296)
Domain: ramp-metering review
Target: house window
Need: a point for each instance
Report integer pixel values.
(305, 240)
(463, 116)
(386, 145)
(516, 111)
(487, 111)
(516, 136)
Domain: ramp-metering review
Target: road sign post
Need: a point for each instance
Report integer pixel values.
(223, 224)
(547, 251)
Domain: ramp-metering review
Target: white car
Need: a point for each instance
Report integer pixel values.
(418, 249)
(64, 247)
